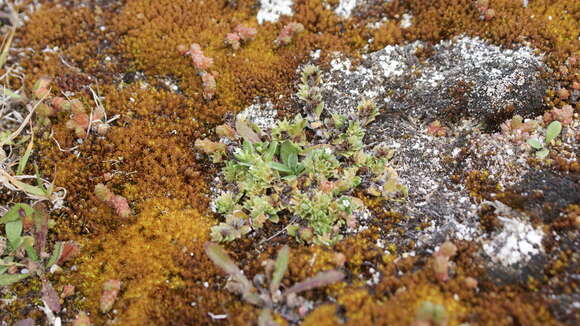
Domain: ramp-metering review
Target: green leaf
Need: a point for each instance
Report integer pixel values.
(28, 244)
(554, 129)
(7, 279)
(24, 159)
(7, 92)
(13, 232)
(55, 254)
(280, 167)
(6, 49)
(5, 263)
(293, 161)
(292, 229)
(280, 268)
(30, 189)
(39, 181)
(287, 150)
(318, 110)
(542, 153)
(535, 143)
(13, 214)
(271, 152)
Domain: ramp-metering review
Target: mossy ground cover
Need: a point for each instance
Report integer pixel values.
(127, 52)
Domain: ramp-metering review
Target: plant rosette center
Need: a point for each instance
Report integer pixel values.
(302, 171)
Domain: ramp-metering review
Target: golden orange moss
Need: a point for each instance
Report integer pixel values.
(59, 26)
(148, 158)
(155, 29)
(141, 256)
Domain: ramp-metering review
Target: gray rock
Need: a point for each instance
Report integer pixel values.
(464, 78)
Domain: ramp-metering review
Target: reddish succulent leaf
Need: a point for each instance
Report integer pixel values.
(441, 267)
(110, 292)
(70, 250)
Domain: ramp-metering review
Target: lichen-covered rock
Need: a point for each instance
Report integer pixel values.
(469, 87)
(463, 78)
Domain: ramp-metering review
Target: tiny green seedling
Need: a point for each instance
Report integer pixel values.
(554, 129)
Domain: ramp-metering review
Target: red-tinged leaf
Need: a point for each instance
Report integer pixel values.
(110, 292)
(70, 250)
(121, 206)
(244, 130)
(82, 320)
(50, 296)
(319, 280)
(67, 291)
(40, 218)
(26, 219)
(25, 322)
(441, 268)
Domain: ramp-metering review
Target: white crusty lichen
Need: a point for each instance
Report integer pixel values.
(271, 10)
(517, 242)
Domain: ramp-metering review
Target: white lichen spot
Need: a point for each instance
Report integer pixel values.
(345, 8)
(516, 243)
(271, 10)
(406, 21)
(315, 55)
(262, 114)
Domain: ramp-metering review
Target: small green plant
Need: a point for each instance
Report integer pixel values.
(265, 291)
(304, 171)
(24, 246)
(552, 131)
(430, 314)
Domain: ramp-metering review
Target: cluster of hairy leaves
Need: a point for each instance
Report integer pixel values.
(24, 245)
(266, 289)
(303, 171)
